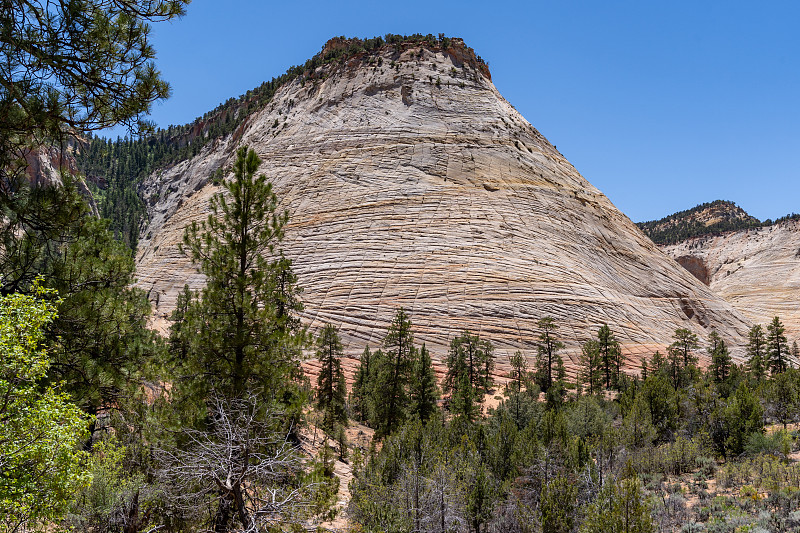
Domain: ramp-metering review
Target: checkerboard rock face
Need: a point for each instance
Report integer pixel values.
(757, 270)
(417, 185)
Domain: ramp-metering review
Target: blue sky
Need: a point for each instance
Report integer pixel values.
(661, 105)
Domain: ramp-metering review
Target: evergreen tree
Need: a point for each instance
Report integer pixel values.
(331, 389)
(590, 373)
(777, 347)
(756, 351)
(362, 386)
(241, 330)
(390, 391)
(424, 391)
(100, 338)
(469, 363)
(519, 380)
(681, 356)
(74, 66)
(621, 507)
(547, 359)
(743, 416)
(783, 397)
(658, 364)
(610, 356)
(721, 360)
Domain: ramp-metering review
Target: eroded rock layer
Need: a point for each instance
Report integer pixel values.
(756, 270)
(411, 182)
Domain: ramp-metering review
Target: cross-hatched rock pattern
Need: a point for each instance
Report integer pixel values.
(411, 182)
(756, 270)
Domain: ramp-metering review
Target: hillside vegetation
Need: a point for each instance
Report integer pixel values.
(711, 218)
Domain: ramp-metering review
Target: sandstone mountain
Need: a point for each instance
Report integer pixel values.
(757, 270)
(411, 182)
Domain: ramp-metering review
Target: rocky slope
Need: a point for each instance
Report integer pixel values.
(411, 182)
(756, 270)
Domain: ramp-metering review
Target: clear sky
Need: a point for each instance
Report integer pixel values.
(661, 105)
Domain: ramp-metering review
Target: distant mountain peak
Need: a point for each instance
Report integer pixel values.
(710, 218)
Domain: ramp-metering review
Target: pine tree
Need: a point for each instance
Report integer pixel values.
(777, 347)
(519, 381)
(548, 346)
(331, 390)
(390, 391)
(424, 391)
(756, 350)
(721, 360)
(242, 329)
(610, 356)
(362, 386)
(590, 366)
(681, 356)
(473, 355)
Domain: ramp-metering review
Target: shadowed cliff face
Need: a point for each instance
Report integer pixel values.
(411, 182)
(756, 270)
(696, 266)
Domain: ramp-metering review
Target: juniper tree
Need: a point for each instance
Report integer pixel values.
(756, 351)
(548, 346)
(777, 347)
(331, 389)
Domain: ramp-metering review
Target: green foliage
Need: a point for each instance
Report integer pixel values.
(590, 368)
(469, 365)
(390, 389)
(742, 416)
(83, 65)
(682, 360)
(116, 496)
(610, 355)
(42, 468)
(548, 361)
(361, 393)
(241, 333)
(777, 347)
(423, 390)
(331, 389)
(620, 508)
(685, 224)
(558, 505)
(101, 340)
(756, 350)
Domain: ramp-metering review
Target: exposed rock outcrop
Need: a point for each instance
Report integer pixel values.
(756, 270)
(411, 182)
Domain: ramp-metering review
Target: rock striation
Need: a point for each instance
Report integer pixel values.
(411, 182)
(756, 270)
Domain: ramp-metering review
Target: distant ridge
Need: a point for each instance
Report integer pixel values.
(711, 218)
